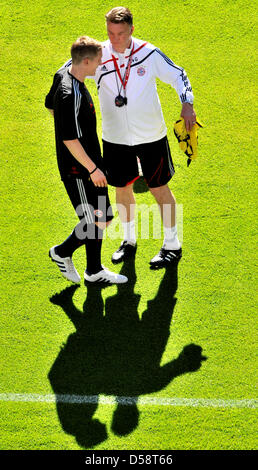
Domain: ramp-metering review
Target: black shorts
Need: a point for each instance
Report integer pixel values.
(91, 203)
(121, 164)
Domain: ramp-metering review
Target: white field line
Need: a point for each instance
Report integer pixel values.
(144, 400)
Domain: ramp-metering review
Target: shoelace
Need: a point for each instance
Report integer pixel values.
(70, 266)
(122, 246)
(167, 253)
(162, 252)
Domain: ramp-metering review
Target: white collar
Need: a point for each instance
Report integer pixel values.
(126, 53)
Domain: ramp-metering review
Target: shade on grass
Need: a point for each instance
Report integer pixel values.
(129, 340)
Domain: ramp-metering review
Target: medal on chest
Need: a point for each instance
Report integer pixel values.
(122, 100)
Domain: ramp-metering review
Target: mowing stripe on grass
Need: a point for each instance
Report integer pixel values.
(104, 400)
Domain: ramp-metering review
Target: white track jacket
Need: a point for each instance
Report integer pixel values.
(141, 120)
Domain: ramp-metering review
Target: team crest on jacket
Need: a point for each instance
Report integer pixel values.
(141, 71)
(98, 213)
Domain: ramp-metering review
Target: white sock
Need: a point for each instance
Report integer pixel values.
(171, 241)
(129, 232)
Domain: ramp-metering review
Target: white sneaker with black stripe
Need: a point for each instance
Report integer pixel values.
(65, 265)
(105, 277)
(165, 258)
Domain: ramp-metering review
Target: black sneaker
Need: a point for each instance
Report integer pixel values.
(165, 258)
(124, 252)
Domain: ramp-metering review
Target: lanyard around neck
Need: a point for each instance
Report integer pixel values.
(125, 79)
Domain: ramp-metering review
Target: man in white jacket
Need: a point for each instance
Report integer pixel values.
(133, 126)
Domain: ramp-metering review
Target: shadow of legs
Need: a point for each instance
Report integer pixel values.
(72, 373)
(125, 418)
(76, 419)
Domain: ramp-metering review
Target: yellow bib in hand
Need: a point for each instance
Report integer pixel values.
(188, 141)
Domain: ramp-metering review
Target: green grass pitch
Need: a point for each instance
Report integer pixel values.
(144, 340)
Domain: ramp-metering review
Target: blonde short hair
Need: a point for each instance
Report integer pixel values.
(84, 47)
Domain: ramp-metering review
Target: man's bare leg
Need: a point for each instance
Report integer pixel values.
(126, 208)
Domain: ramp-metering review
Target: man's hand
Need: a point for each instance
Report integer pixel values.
(51, 111)
(98, 178)
(189, 116)
(76, 149)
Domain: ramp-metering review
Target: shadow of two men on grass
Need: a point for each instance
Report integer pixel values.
(115, 352)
